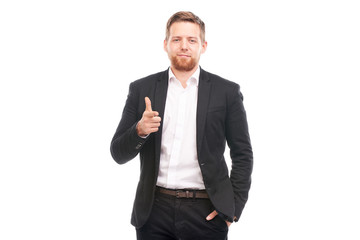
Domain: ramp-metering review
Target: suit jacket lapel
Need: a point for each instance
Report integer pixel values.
(202, 107)
(159, 106)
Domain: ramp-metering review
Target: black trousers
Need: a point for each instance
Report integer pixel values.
(182, 219)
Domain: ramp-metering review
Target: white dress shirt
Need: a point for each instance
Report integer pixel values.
(179, 166)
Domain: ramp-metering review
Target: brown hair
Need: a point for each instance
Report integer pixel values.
(186, 17)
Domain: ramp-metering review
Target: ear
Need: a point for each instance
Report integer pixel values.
(165, 45)
(204, 46)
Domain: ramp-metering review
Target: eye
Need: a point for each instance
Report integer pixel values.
(193, 41)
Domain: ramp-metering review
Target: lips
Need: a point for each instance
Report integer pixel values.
(183, 55)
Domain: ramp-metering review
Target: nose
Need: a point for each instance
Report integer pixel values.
(184, 45)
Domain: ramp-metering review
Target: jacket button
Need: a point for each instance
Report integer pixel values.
(202, 164)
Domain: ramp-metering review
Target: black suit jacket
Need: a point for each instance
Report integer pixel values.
(220, 118)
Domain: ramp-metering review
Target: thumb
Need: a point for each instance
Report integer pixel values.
(211, 215)
(148, 104)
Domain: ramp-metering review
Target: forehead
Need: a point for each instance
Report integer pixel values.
(187, 29)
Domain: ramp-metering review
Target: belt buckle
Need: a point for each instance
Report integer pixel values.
(187, 194)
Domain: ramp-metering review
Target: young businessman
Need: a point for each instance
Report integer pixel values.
(179, 120)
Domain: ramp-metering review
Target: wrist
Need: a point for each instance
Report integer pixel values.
(139, 132)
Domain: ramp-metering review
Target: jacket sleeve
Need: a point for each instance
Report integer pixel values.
(238, 139)
(126, 143)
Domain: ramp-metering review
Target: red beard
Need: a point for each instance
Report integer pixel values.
(181, 64)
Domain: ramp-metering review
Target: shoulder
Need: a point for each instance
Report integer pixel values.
(149, 80)
(219, 81)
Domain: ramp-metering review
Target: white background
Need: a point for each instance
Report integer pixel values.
(65, 67)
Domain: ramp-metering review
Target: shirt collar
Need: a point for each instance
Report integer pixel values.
(195, 76)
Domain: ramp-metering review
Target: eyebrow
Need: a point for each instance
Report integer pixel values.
(184, 36)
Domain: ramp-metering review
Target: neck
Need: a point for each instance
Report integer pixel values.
(183, 76)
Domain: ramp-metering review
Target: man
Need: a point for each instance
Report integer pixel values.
(179, 121)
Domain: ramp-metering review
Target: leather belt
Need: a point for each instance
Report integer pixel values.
(183, 193)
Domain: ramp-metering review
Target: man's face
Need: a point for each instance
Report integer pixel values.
(184, 46)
